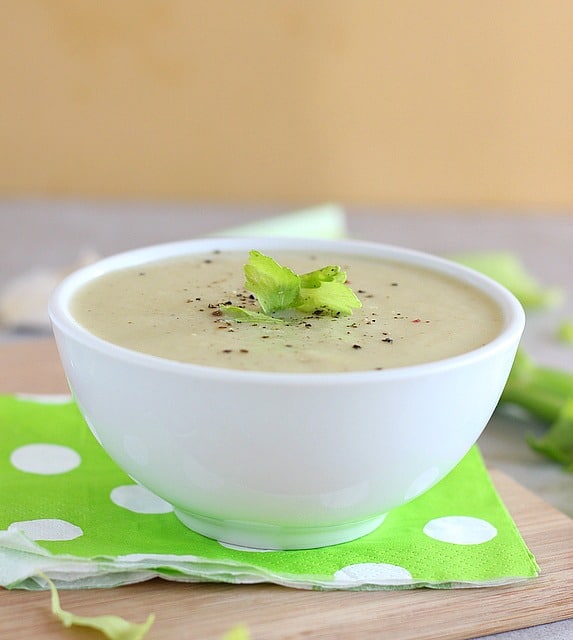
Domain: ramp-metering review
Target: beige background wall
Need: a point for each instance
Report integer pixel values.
(430, 102)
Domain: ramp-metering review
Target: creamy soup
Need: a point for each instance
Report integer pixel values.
(172, 309)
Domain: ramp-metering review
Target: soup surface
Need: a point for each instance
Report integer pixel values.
(171, 309)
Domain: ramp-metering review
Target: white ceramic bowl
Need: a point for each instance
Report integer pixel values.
(283, 460)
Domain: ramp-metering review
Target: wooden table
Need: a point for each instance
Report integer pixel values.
(270, 612)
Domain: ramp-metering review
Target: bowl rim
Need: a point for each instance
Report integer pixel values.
(63, 321)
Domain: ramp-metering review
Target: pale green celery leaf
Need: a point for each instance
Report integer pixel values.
(246, 315)
(238, 632)
(113, 627)
(509, 271)
(565, 332)
(314, 279)
(275, 287)
(557, 443)
(331, 298)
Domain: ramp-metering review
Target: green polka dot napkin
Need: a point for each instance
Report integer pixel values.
(69, 512)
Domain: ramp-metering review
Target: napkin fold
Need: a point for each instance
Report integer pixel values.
(69, 512)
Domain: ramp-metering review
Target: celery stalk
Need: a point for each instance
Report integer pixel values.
(543, 392)
(321, 221)
(565, 332)
(547, 394)
(508, 270)
(557, 443)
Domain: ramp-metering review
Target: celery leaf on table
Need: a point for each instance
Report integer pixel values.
(113, 627)
(238, 632)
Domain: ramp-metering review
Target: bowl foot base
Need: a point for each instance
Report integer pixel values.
(272, 537)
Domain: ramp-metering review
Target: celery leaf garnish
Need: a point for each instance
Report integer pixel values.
(324, 291)
(332, 298)
(314, 279)
(275, 287)
(247, 315)
(278, 288)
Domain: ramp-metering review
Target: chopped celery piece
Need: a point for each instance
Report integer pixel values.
(565, 332)
(557, 443)
(547, 394)
(508, 270)
(540, 390)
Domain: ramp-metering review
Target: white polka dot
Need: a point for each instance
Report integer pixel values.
(47, 529)
(238, 547)
(45, 459)
(54, 398)
(138, 499)
(460, 530)
(377, 573)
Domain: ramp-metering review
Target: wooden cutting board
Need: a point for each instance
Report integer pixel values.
(207, 611)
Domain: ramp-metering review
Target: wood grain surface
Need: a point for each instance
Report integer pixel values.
(207, 611)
